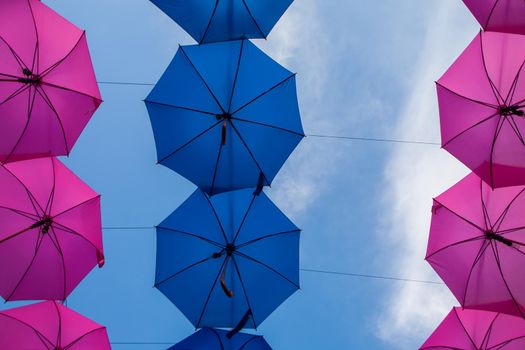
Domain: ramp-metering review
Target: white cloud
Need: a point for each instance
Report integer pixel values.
(415, 174)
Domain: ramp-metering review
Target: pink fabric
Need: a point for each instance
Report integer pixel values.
(477, 330)
(481, 104)
(50, 325)
(477, 244)
(46, 261)
(506, 16)
(48, 89)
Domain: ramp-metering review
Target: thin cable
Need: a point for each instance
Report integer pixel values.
(374, 139)
(143, 343)
(124, 83)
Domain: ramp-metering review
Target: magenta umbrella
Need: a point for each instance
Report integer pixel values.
(48, 90)
(481, 100)
(506, 16)
(477, 245)
(50, 230)
(477, 330)
(50, 326)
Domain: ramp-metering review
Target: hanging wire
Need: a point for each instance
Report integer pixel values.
(328, 272)
(333, 137)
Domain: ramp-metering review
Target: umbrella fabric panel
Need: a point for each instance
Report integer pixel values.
(50, 235)
(49, 325)
(223, 20)
(223, 111)
(476, 244)
(475, 329)
(481, 98)
(499, 15)
(235, 241)
(211, 339)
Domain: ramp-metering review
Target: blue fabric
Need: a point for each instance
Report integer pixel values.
(224, 113)
(262, 270)
(215, 339)
(223, 20)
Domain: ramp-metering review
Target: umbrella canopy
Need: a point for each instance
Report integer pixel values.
(224, 20)
(228, 260)
(477, 330)
(477, 245)
(48, 90)
(50, 326)
(215, 339)
(481, 100)
(506, 16)
(50, 230)
(225, 116)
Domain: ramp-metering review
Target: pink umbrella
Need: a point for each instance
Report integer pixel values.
(50, 326)
(48, 90)
(476, 245)
(50, 230)
(481, 100)
(506, 16)
(477, 330)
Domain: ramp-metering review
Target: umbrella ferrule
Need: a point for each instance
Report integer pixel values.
(230, 248)
(511, 110)
(44, 224)
(492, 235)
(223, 116)
(33, 79)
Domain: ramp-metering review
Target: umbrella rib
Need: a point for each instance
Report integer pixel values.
(32, 200)
(461, 217)
(269, 126)
(216, 168)
(21, 213)
(157, 284)
(515, 128)
(469, 128)
(212, 242)
(493, 146)
(59, 62)
(244, 292)
(498, 263)
(202, 79)
(76, 206)
(179, 107)
(467, 98)
(44, 83)
(465, 329)
(61, 253)
(267, 266)
(30, 102)
(188, 142)
(17, 92)
(250, 152)
(491, 13)
(40, 335)
(59, 335)
(36, 56)
(69, 230)
(209, 22)
(506, 342)
(248, 209)
(514, 85)
(505, 211)
(47, 100)
(491, 83)
(479, 254)
(489, 331)
(210, 293)
(217, 218)
(37, 247)
(50, 200)
(236, 75)
(218, 337)
(83, 336)
(255, 337)
(486, 217)
(453, 245)
(264, 93)
(266, 237)
(15, 55)
(253, 19)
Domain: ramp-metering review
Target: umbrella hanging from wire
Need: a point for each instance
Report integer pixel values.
(50, 230)
(477, 245)
(481, 103)
(225, 116)
(50, 326)
(224, 20)
(228, 260)
(216, 339)
(477, 330)
(48, 90)
(506, 16)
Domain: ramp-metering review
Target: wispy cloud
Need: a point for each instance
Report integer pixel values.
(415, 174)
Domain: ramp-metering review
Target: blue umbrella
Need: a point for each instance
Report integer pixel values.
(222, 20)
(225, 116)
(228, 260)
(215, 339)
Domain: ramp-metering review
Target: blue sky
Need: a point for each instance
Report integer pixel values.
(364, 69)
